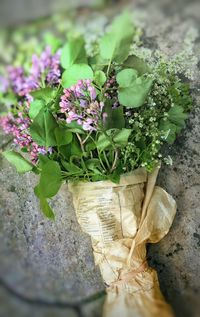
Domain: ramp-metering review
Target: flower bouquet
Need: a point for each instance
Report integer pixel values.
(99, 122)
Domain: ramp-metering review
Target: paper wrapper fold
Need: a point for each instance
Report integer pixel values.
(121, 219)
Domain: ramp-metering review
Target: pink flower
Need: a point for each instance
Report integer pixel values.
(79, 104)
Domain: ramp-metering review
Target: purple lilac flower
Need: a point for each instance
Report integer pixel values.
(18, 127)
(6, 123)
(47, 65)
(45, 68)
(36, 149)
(17, 79)
(79, 104)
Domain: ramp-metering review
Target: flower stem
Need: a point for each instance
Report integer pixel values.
(107, 162)
(87, 137)
(108, 69)
(115, 161)
(81, 142)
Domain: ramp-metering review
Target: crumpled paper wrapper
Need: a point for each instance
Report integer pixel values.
(121, 219)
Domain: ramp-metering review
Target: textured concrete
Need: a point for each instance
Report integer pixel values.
(45, 263)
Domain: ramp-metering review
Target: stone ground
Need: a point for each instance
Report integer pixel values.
(47, 268)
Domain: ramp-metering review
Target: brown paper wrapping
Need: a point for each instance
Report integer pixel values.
(121, 219)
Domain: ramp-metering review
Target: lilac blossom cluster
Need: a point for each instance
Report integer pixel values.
(79, 104)
(18, 127)
(45, 69)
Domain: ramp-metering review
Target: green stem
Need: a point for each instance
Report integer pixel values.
(43, 80)
(82, 160)
(108, 69)
(110, 139)
(115, 161)
(107, 162)
(81, 142)
(87, 137)
(85, 167)
(99, 156)
(101, 162)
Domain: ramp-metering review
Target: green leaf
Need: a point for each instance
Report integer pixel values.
(42, 128)
(65, 151)
(43, 159)
(63, 136)
(93, 162)
(103, 142)
(114, 117)
(94, 165)
(173, 125)
(138, 64)
(114, 177)
(46, 94)
(99, 177)
(115, 44)
(75, 127)
(177, 116)
(75, 148)
(126, 77)
(72, 149)
(75, 73)
(121, 137)
(9, 99)
(135, 95)
(22, 165)
(50, 180)
(71, 167)
(169, 131)
(46, 209)
(52, 41)
(35, 108)
(99, 78)
(90, 146)
(97, 62)
(73, 52)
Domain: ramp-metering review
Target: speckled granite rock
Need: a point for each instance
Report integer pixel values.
(50, 263)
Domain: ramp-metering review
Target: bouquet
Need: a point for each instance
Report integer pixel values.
(100, 121)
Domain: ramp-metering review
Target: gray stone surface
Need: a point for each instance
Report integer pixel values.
(40, 258)
(50, 263)
(20, 11)
(13, 306)
(177, 257)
